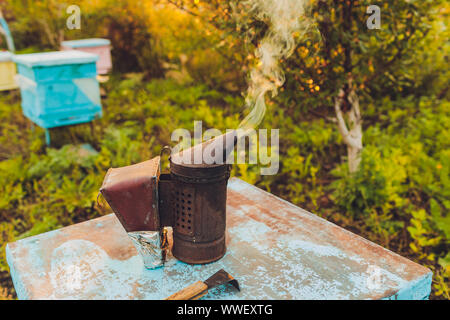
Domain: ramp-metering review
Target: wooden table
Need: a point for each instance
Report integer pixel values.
(275, 250)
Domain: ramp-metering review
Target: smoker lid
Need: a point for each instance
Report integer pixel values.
(204, 171)
(86, 43)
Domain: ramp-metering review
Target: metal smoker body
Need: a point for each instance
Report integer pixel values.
(191, 199)
(198, 208)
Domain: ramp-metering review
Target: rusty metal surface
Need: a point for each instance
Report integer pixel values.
(198, 201)
(165, 202)
(275, 250)
(199, 213)
(131, 192)
(192, 199)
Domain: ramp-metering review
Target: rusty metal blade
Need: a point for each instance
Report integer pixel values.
(221, 277)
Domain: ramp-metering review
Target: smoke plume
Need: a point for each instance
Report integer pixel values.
(286, 20)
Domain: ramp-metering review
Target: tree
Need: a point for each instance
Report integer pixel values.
(353, 61)
(339, 60)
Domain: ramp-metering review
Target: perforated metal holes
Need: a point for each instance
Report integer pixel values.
(183, 203)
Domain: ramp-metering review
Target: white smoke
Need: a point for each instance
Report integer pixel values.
(285, 19)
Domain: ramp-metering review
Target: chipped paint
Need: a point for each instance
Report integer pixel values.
(274, 249)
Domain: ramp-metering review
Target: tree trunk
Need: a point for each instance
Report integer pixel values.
(351, 134)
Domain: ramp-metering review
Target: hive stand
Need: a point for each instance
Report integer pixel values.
(274, 249)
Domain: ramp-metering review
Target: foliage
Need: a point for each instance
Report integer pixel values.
(403, 182)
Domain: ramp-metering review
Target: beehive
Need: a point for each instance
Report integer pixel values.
(59, 88)
(7, 71)
(100, 47)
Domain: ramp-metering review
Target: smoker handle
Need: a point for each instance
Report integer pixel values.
(193, 292)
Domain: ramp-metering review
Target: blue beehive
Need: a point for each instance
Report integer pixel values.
(59, 88)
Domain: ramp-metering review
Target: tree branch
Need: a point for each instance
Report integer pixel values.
(342, 126)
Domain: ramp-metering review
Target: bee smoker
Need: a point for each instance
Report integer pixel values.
(191, 199)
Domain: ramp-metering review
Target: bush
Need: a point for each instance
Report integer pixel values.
(403, 182)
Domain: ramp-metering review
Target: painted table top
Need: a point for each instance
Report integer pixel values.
(86, 43)
(274, 249)
(55, 58)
